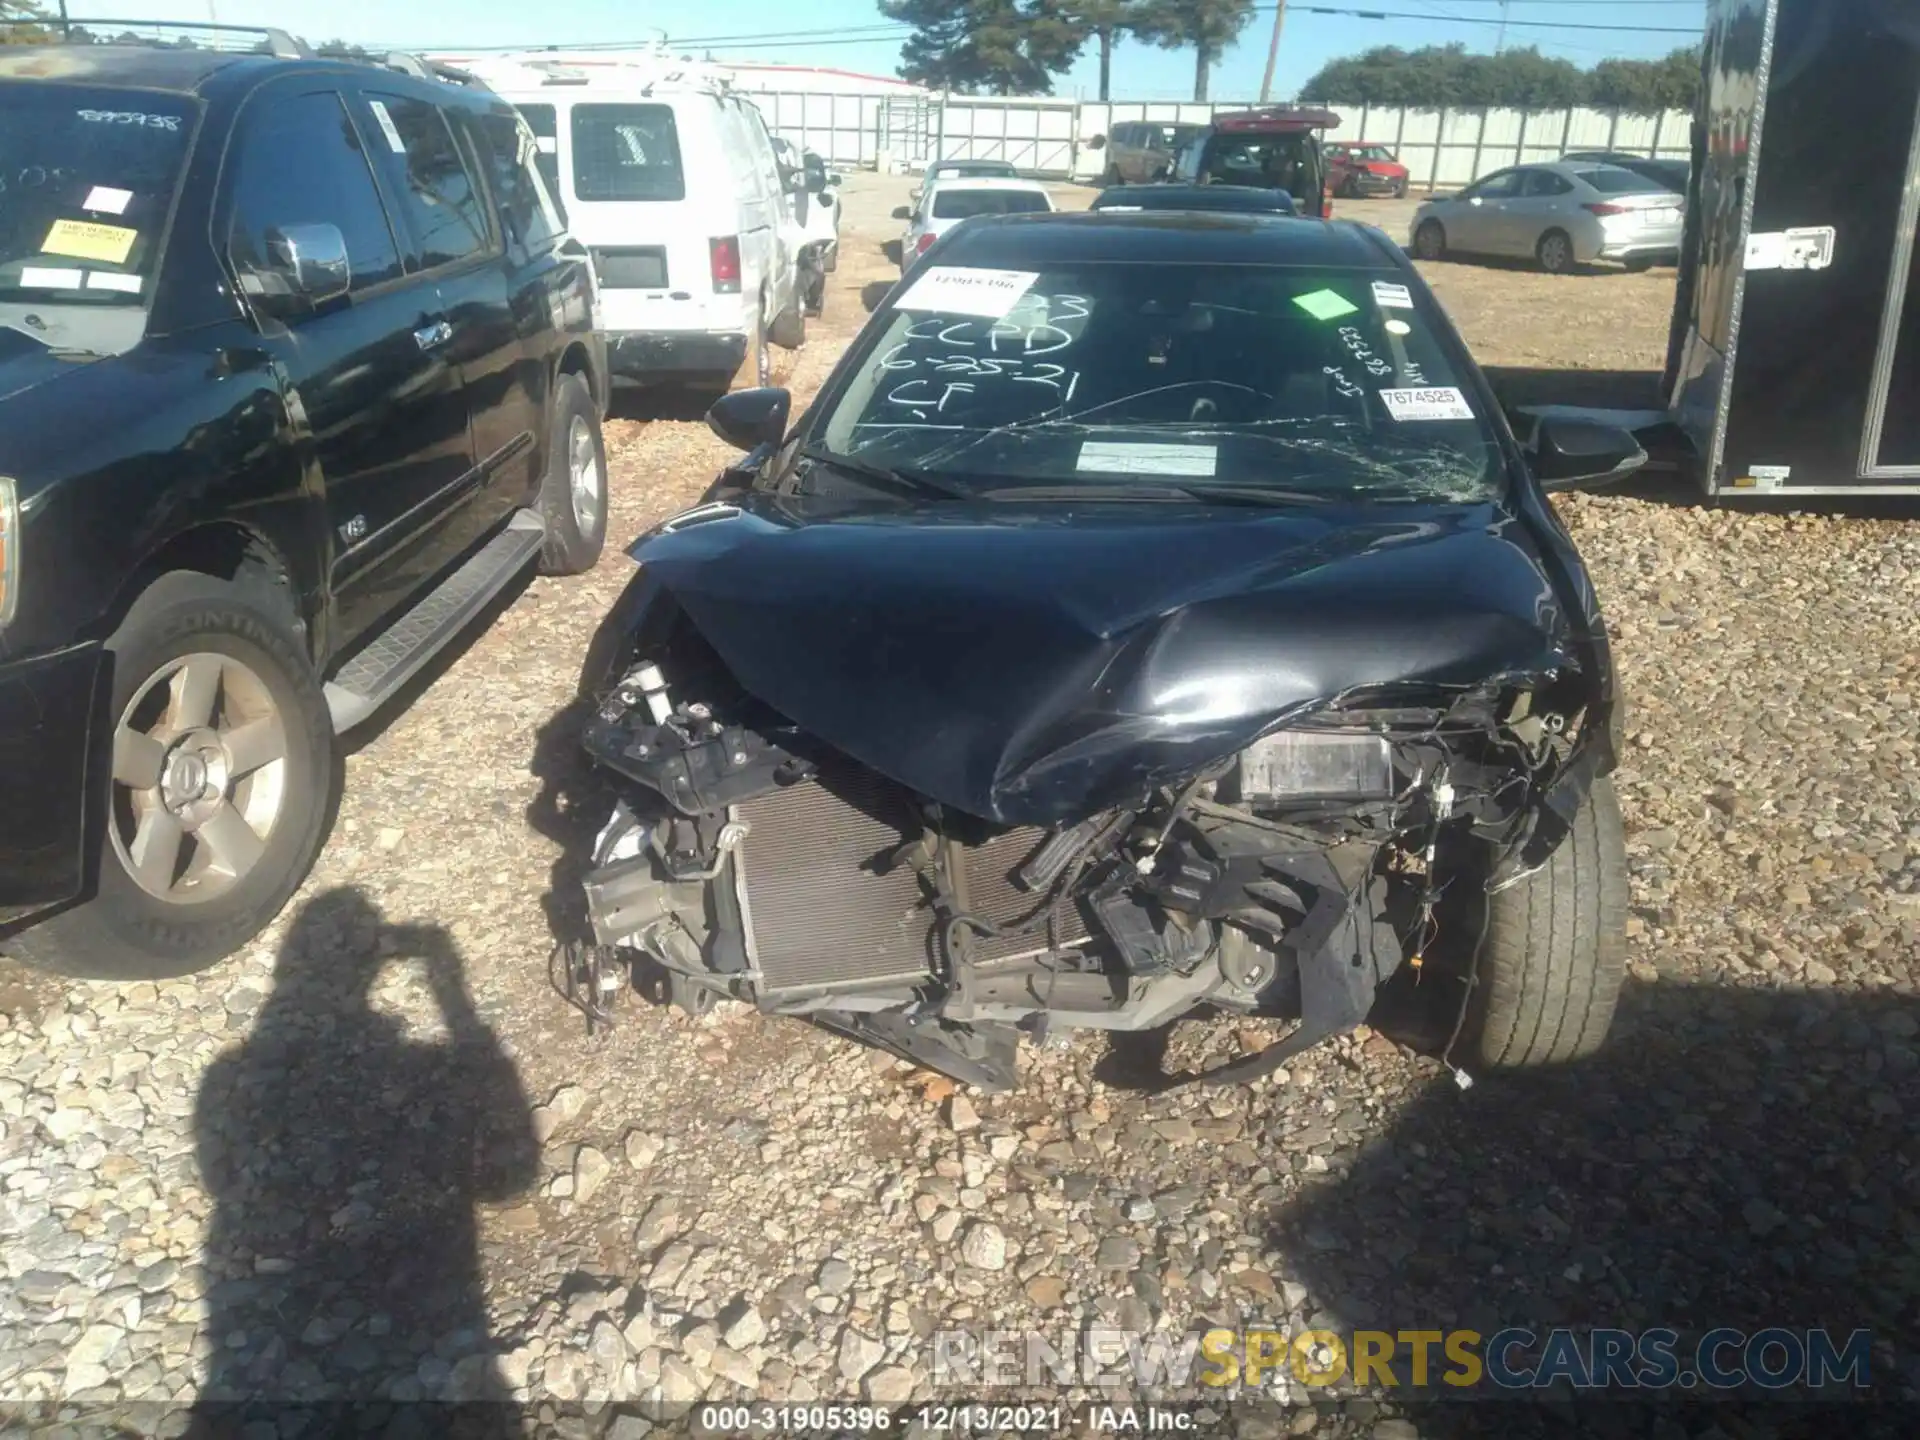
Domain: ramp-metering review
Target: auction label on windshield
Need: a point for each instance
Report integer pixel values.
(1103, 457)
(968, 290)
(1392, 297)
(90, 240)
(1432, 402)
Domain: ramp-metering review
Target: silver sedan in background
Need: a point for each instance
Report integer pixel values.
(1563, 214)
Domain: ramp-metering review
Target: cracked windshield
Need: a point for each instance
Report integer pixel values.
(1316, 382)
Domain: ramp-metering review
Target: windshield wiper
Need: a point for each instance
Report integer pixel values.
(1260, 495)
(910, 482)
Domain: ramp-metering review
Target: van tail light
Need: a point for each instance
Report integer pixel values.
(723, 253)
(921, 246)
(1602, 208)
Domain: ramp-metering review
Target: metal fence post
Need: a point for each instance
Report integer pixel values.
(1439, 148)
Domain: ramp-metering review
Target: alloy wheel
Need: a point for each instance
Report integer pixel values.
(199, 778)
(583, 475)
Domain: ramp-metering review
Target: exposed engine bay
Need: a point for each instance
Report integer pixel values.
(1290, 876)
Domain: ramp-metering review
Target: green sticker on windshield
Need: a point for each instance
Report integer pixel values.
(1325, 304)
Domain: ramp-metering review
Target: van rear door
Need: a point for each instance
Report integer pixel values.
(641, 175)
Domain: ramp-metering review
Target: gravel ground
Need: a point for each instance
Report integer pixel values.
(375, 1156)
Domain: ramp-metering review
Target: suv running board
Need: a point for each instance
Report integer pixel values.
(376, 673)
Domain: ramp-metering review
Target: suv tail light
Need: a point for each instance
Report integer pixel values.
(724, 256)
(1602, 208)
(920, 246)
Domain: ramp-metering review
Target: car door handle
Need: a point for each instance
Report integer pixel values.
(432, 336)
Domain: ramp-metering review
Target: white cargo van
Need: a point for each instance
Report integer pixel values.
(670, 180)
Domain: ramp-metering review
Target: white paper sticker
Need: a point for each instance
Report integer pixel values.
(1392, 297)
(1807, 247)
(113, 280)
(1398, 327)
(387, 127)
(1104, 457)
(968, 290)
(105, 200)
(41, 277)
(1765, 477)
(1432, 402)
(546, 144)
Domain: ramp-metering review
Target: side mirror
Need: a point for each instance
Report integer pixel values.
(901, 212)
(833, 177)
(1098, 142)
(311, 260)
(748, 419)
(1566, 454)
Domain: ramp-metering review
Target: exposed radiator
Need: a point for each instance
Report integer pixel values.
(820, 916)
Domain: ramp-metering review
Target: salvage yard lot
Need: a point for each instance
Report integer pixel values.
(214, 1176)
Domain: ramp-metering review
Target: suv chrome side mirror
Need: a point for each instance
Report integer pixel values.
(311, 260)
(748, 419)
(1566, 453)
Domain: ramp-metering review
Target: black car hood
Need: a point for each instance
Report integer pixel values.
(26, 363)
(1035, 663)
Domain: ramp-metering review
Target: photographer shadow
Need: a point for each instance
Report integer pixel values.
(345, 1150)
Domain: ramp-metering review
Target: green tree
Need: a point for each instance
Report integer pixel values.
(23, 34)
(1109, 21)
(1209, 26)
(994, 47)
(1437, 75)
(1646, 87)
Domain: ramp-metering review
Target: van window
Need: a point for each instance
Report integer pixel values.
(626, 152)
(440, 198)
(298, 161)
(963, 204)
(546, 150)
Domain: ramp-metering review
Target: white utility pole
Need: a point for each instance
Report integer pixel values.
(1273, 51)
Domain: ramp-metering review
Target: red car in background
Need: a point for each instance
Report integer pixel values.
(1357, 168)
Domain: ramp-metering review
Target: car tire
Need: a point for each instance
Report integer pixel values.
(1430, 241)
(1549, 969)
(1111, 180)
(756, 370)
(789, 328)
(191, 639)
(1400, 191)
(1555, 253)
(573, 495)
(1350, 189)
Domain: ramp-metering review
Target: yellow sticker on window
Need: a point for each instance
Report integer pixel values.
(89, 240)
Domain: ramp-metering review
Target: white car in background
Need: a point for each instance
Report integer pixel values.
(1563, 214)
(670, 179)
(944, 204)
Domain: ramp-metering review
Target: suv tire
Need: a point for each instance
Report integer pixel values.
(1430, 241)
(1549, 969)
(756, 371)
(230, 650)
(573, 496)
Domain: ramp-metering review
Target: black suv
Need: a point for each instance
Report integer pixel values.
(298, 370)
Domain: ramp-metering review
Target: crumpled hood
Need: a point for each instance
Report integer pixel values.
(1016, 666)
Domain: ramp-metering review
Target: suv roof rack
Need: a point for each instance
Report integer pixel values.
(422, 68)
(267, 39)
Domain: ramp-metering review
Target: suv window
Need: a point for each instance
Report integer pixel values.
(441, 201)
(546, 150)
(626, 152)
(1282, 161)
(298, 161)
(507, 151)
(1544, 182)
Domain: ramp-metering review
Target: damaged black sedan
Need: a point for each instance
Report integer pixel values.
(1153, 616)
